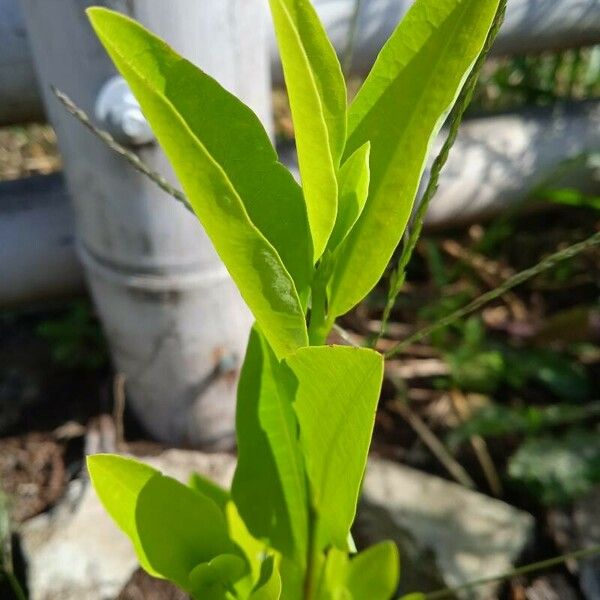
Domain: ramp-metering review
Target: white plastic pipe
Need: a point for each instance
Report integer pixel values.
(37, 247)
(20, 98)
(175, 322)
(495, 163)
(498, 161)
(530, 26)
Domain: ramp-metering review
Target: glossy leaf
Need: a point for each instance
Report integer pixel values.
(336, 399)
(353, 192)
(317, 93)
(269, 487)
(179, 528)
(165, 85)
(399, 110)
(118, 482)
(374, 573)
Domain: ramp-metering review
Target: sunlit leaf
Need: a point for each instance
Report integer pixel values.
(269, 584)
(399, 110)
(317, 93)
(225, 193)
(336, 396)
(118, 482)
(374, 573)
(353, 191)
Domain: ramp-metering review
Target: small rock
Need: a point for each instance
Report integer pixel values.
(586, 517)
(551, 587)
(75, 552)
(578, 528)
(447, 535)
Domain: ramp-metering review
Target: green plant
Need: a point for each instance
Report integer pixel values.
(75, 338)
(557, 470)
(301, 256)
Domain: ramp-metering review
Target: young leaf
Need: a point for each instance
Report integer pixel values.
(212, 580)
(336, 399)
(166, 87)
(178, 529)
(269, 584)
(269, 482)
(400, 109)
(252, 548)
(353, 192)
(374, 573)
(118, 482)
(332, 582)
(317, 93)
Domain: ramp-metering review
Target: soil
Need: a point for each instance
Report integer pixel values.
(50, 411)
(142, 586)
(32, 472)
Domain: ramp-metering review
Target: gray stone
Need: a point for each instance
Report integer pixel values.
(447, 534)
(577, 528)
(75, 552)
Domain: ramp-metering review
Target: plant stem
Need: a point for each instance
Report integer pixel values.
(437, 448)
(544, 265)
(348, 53)
(538, 566)
(466, 95)
(310, 579)
(317, 329)
(15, 586)
(131, 157)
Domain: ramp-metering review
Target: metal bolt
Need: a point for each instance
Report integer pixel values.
(120, 113)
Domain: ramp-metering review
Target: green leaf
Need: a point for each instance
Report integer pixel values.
(317, 93)
(269, 486)
(400, 109)
(335, 400)
(250, 547)
(179, 529)
(212, 580)
(557, 469)
(268, 586)
(332, 583)
(253, 549)
(118, 482)
(374, 573)
(226, 190)
(210, 489)
(353, 192)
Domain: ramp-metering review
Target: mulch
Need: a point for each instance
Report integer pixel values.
(32, 473)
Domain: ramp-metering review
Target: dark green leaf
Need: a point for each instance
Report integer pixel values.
(179, 528)
(269, 486)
